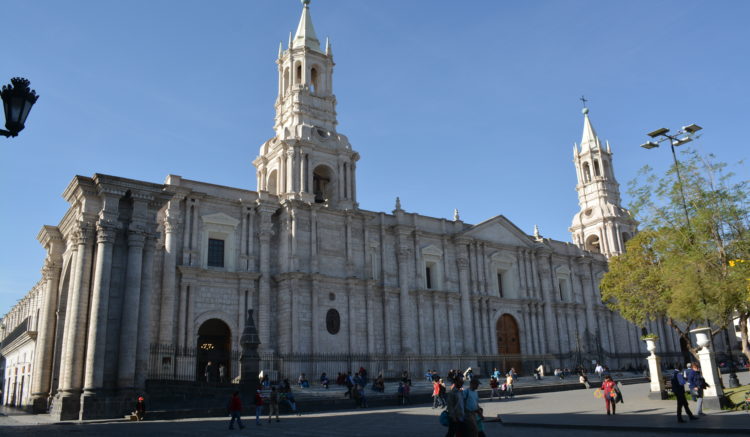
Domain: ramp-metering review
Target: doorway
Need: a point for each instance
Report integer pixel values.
(508, 343)
(214, 346)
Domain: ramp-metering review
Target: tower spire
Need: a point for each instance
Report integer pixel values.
(305, 36)
(589, 140)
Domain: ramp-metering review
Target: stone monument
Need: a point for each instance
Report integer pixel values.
(250, 359)
(654, 369)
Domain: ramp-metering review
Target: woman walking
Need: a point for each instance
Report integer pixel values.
(609, 390)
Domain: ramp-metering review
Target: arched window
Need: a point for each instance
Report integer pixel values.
(597, 172)
(313, 80)
(592, 244)
(586, 172)
(285, 84)
(298, 74)
(605, 169)
(322, 177)
(272, 183)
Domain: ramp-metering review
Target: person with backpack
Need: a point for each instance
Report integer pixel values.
(235, 410)
(455, 409)
(678, 388)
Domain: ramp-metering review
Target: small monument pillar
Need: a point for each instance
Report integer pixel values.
(654, 370)
(250, 359)
(713, 395)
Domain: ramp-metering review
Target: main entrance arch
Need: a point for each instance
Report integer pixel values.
(508, 342)
(214, 345)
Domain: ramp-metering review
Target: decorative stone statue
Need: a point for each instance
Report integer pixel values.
(250, 359)
(455, 215)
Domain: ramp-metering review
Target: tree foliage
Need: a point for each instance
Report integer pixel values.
(686, 265)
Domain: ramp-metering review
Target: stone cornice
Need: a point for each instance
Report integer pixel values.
(195, 274)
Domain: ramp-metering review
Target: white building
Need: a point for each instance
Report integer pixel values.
(144, 280)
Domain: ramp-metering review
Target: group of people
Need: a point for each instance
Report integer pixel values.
(275, 396)
(692, 377)
(215, 373)
(463, 415)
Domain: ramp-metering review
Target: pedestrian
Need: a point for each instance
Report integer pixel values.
(471, 405)
(508, 386)
(235, 410)
(324, 380)
(513, 374)
(442, 393)
(362, 397)
(273, 404)
(678, 388)
(495, 386)
(379, 384)
(258, 406)
(222, 373)
(288, 396)
(496, 374)
(583, 379)
(209, 370)
(608, 388)
(480, 423)
(435, 394)
(697, 384)
(455, 408)
(349, 383)
(599, 370)
(140, 408)
(468, 374)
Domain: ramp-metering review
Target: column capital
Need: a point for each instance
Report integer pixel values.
(136, 238)
(172, 225)
(83, 234)
(463, 263)
(51, 269)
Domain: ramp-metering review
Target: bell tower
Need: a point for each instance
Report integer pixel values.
(307, 159)
(602, 225)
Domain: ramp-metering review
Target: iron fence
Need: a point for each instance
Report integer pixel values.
(175, 363)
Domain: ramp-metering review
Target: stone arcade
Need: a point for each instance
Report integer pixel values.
(138, 271)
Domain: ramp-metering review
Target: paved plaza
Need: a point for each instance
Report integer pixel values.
(570, 413)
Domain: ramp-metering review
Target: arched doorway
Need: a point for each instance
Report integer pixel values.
(508, 342)
(322, 183)
(214, 345)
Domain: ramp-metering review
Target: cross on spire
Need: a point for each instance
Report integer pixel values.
(584, 100)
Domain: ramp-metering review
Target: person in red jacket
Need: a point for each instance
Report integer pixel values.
(258, 407)
(610, 392)
(235, 410)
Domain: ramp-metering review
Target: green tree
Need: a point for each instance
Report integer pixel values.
(685, 265)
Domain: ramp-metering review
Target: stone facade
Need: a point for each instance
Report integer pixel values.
(134, 264)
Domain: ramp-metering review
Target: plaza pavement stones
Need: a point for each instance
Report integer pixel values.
(581, 409)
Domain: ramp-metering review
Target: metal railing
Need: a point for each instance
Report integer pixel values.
(174, 363)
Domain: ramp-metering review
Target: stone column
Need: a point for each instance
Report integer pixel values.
(130, 309)
(172, 225)
(463, 281)
(264, 290)
(67, 406)
(145, 334)
(41, 382)
(713, 395)
(106, 227)
(654, 369)
(550, 320)
(588, 295)
(404, 301)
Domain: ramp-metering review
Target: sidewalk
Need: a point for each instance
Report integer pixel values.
(581, 410)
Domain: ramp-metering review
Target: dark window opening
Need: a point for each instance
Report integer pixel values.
(333, 321)
(215, 252)
(500, 284)
(428, 277)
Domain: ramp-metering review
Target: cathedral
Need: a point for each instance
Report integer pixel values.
(147, 280)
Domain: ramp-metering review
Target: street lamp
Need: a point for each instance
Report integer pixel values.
(18, 99)
(684, 136)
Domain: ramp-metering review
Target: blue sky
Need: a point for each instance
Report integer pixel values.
(470, 105)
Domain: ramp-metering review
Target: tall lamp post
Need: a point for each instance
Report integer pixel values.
(18, 99)
(684, 136)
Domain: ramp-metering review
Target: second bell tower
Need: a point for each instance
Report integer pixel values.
(307, 159)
